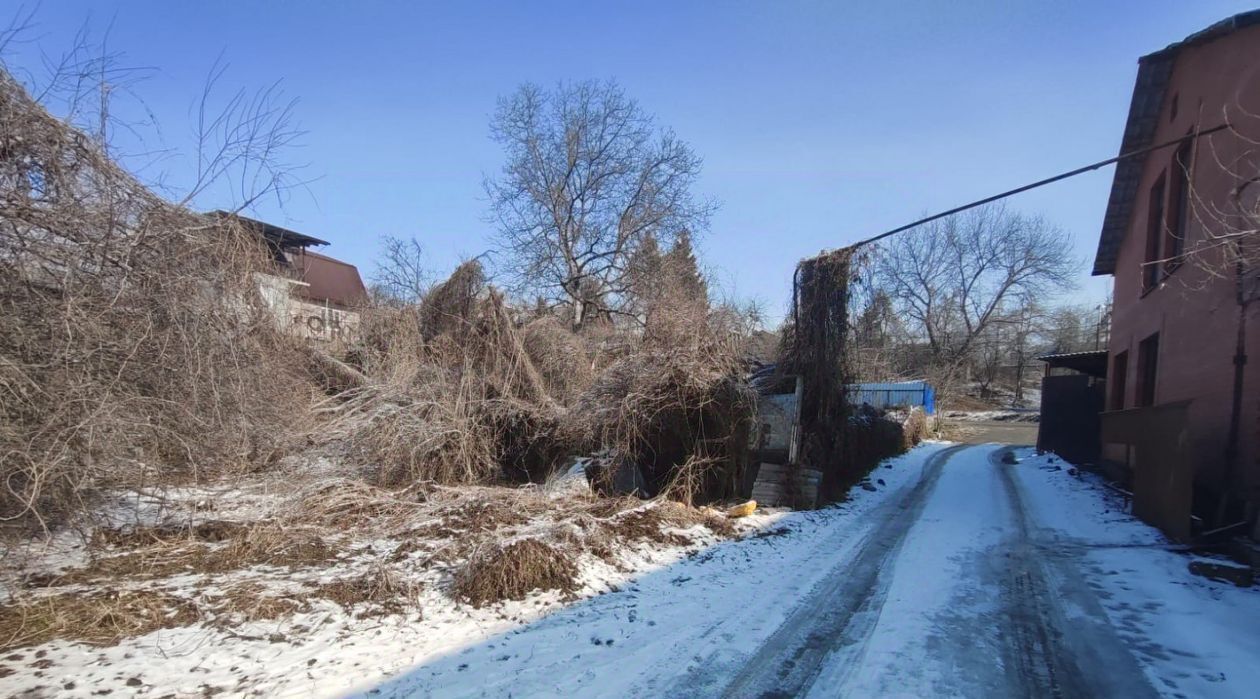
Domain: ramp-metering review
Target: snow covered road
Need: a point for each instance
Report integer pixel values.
(961, 576)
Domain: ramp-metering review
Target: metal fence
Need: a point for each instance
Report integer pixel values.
(903, 394)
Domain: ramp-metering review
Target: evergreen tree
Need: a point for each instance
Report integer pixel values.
(683, 272)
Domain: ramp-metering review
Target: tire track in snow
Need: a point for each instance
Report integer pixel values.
(1052, 655)
(839, 612)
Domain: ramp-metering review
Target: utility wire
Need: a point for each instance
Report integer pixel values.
(1039, 183)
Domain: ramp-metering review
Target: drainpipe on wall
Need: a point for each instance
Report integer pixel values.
(1235, 413)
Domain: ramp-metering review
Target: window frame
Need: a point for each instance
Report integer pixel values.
(1119, 380)
(1178, 207)
(1155, 224)
(1147, 371)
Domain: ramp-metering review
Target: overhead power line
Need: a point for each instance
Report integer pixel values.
(1039, 183)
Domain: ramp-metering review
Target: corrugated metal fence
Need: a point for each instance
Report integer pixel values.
(903, 394)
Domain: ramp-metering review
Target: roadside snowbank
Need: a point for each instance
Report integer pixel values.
(1192, 636)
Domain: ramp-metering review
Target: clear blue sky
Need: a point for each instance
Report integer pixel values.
(819, 122)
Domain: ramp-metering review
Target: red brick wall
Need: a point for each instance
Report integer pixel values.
(1193, 310)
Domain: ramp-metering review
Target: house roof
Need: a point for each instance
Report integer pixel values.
(282, 238)
(328, 280)
(1154, 72)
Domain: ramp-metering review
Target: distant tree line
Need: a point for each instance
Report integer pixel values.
(966, 302)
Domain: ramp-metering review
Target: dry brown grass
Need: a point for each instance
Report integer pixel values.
(512, 571)
(249, 602)
(380, 590)
(211, 531)
(100, 618)
(346, 504)
(442, 531)
(140, 556)
(915, 428)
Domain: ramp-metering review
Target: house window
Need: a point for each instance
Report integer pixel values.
(1148, 370)
(1178, 207)
(1154, 235)
(1119, 379)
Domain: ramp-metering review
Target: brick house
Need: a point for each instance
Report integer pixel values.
(1182, 419)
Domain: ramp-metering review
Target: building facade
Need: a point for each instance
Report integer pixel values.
(1183, 392)
(312, 295)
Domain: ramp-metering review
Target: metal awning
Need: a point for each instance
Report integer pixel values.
(1093, 363)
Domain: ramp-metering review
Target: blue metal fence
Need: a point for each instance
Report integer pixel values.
(894, 395)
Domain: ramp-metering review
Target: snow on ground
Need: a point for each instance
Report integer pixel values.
(1193, 637)
(731, 596)
(449, 649)
(978, 579)
(927, 598)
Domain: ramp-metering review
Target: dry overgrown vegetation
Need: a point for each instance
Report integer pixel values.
(137, 355)
(513, 570)
(135, 351)
(478, 545)
(134, 348)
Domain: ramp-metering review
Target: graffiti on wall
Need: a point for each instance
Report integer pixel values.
(323, 323)
(313, 321)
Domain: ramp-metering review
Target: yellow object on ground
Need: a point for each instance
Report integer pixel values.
(742, 510)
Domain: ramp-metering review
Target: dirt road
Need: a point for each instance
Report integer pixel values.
(996, 431)
(961, 576)
(958, 550)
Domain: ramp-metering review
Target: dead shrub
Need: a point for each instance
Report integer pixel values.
(681, 416)
(451, 394)
(449, 307)
(380, 590)
(430, 433)
(529, 442)
(562, 357)
(914, 428)
(512, 571)
(870, 437)
(134, 342)
(101, 618)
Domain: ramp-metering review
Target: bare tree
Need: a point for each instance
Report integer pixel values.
(1077, 327)
(1027, 324)
(951, 279)
(589, 176)
(242, 145)
(400, 273)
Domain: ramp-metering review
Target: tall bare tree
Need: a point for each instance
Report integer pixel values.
(951, 279)
(589, 176)
(400, 273)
